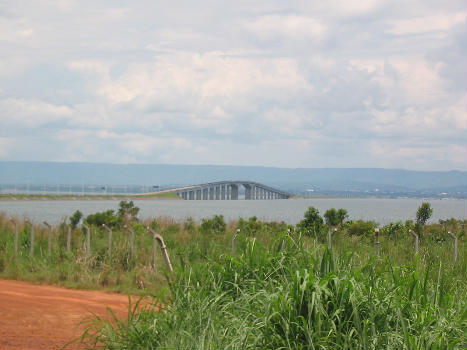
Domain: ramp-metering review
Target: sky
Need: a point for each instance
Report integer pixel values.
(301, 84)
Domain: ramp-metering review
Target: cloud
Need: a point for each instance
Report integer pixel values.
(286, 27)
(32, 113)
(360, 83)
(426, 24)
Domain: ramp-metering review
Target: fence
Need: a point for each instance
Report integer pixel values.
(157, 240)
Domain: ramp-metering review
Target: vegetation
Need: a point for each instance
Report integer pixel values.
(335, 217)
(284, 288)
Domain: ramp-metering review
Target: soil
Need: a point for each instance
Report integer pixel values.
(48, 317)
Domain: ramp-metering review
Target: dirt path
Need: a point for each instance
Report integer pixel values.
(47, 317)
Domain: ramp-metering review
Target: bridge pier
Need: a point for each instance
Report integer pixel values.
(248, 192)
(198, 195)
(234, 192)
(205, 193)
(211, 193)
(223, 192)
(191, 195)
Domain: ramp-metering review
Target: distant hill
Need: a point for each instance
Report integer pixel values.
(295, 180)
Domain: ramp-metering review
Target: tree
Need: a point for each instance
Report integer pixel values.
(127, 210)
(424, 212)
(312, 222)
(335, 217)
(75, 219)
(342, 215)
(331, 217)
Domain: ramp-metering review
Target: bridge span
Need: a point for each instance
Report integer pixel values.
(228, 190)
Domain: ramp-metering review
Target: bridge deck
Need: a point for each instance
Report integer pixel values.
(226, 190)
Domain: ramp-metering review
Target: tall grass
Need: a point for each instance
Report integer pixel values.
(298, 298)
(281, 290)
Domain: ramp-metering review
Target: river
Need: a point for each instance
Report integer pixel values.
(291, 211)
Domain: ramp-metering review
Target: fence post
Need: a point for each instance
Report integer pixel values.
(49, 237)
(68, 238)
(234, 242)
(158, 238)
(377, 241)
(283, 241)
(132, 240)
(88, 240)
(416, 240)
(455, 245)
(109, 248)
(330, 233)
(68, 234)
(16, 235)
(31, 248)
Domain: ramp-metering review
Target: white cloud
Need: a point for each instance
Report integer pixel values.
(426, 24)
(287, 27)
(32, 113)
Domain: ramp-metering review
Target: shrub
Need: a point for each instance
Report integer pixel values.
(105, 217)
(250, 227)
(361, 228)
(393, 228)
(215, 225)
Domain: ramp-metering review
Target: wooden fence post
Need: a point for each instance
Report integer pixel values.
(16, 235)
(49, 237)
(234, 242)
(377, 241)
(283, 241)
(31, 248)
(132, 240)
(68, 234)
(158, 238)
(109, 248)
(88, 240)
(416, 240)
(455, 245)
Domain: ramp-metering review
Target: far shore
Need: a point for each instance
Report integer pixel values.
(66, 197)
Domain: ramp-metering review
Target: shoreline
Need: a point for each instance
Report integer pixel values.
(168, 196)
(45, 197)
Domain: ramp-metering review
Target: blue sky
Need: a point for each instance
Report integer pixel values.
(352, 83)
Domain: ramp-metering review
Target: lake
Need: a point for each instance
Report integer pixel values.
(291, 211)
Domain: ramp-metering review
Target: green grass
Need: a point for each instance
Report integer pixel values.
(279, 291)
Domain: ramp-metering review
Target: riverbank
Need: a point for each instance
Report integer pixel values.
(99, 197)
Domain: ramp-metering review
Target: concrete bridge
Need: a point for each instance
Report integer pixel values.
(228, 190)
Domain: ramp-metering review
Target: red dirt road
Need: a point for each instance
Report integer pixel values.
(47, 317)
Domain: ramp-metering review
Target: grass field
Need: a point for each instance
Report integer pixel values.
(279, 290)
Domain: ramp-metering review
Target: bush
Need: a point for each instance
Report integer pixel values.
(215, 225)
(393, 228)
(250, 227)
(107, 218)
(361, 228)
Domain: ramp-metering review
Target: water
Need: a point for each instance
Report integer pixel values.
(291, 211)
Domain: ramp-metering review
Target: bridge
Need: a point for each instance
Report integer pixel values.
(227, 190)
